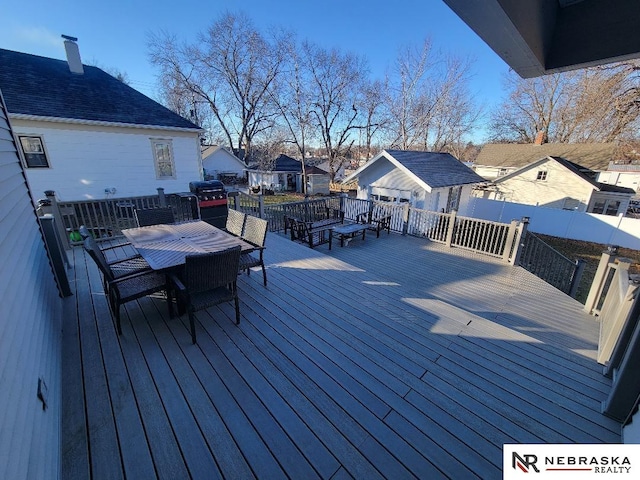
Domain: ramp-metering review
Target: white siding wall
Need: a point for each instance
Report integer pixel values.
(552, 192)
(222, 162)
(621, 179)
(30, 330)
(382, 178)
(85, 160)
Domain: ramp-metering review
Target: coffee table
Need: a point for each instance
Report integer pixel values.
(348, 231)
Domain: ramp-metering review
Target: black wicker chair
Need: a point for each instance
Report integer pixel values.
(84, 233)
(255, 233)
(154, 216)
(235, 222)
(122, 288)
(122, 266)
(208, 279)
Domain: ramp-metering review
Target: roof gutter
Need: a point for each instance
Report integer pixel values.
(100, 123)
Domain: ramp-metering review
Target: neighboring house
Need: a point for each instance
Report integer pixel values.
(282, 177)
(220, 164)
(622, 174)
(426, 180)
(85, 134)
(31, 330)
(286, 175)
(555, 182)
(499, 159)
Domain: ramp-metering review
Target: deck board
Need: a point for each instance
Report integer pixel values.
(388, 358)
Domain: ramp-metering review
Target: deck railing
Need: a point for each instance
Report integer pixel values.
(106, 218)
(547, 263)
(615, 298)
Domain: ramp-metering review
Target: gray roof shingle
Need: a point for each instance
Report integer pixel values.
(45, 87)
(436, 169)
(594, 156)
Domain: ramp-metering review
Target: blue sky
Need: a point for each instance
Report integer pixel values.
(113, 33)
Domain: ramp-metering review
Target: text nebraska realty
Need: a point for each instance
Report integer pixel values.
(598, 464)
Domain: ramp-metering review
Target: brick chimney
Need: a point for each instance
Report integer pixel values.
(539, 138)
(73, 55)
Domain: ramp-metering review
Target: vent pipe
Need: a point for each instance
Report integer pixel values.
(73, 55)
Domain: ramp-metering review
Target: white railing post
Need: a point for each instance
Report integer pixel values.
(515, 245)
(599, 279)
(162, 200)
(451, 227)
(405, 218)
(55, 211)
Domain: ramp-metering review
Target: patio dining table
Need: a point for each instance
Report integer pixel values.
(166, 246)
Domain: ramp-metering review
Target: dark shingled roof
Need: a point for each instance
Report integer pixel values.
(594, 156)
(436, 169)
(45, 87)
(580, 171)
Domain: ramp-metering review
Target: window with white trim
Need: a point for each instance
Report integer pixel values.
(35, 155)
(163, 158)
(542, 175)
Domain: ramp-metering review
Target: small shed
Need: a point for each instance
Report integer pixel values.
(221, 164)
(426, 180)
(317, 181)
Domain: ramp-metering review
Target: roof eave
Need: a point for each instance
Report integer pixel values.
(99, 123)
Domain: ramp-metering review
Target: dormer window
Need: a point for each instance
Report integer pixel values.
(542, 175)
(33, 150)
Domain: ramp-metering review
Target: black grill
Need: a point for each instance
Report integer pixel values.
(212, 201)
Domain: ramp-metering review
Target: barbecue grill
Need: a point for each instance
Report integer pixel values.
(212, 201)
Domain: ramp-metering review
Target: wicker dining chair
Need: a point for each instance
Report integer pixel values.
(84, 233)
(208, 279)
(235, 222)
(121, 288)
(120, 266)
(255, 233)
(153, 216)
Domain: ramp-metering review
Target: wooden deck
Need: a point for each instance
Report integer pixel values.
(389, 358)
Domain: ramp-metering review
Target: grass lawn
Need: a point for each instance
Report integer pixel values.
(590, 253)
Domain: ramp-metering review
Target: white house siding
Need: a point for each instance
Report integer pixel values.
(384, 179)
(492, 173)
(30, 330)
(560, 186)
(85, 160)
(621, 179)
(222, 162)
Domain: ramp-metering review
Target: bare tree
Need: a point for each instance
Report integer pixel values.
(374, 113)
(294, 99)
(335, 79)
(599, 104)
(429, 103)
(230, 68)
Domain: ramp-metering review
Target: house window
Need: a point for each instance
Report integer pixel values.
(502, 172)
(163, 158)
(33, 150)
(606, 207)
(453, 200)
(542, 175)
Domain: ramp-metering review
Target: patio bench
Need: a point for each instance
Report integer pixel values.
(313, 233)
(377, 223)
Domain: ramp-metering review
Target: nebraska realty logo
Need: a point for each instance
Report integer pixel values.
(571, 461)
